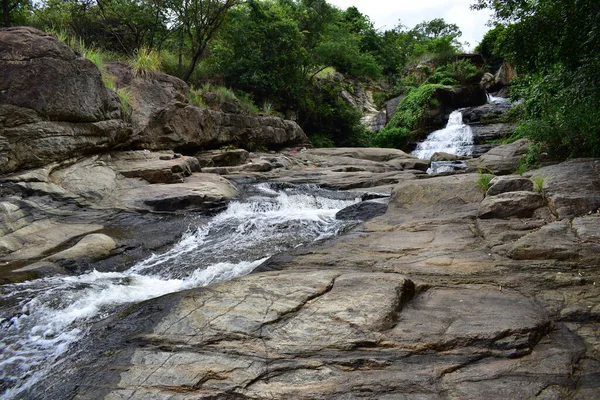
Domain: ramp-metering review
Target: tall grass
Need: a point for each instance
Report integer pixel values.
(145, 62)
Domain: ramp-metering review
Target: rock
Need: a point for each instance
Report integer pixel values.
(199, 192)
(502, 160)
(511, 204)
(220, 158)
(554, 241)
(487, 132)
(504, 76)
(391, 106)
(441, 156)
(163, 119)
(154, 167)
(92, 247)
(363, 153)
(487, 81)
(587, 228)
(509, 183)
(489, 110)
(41, 74)
(468, 96)
(42, 236)
(572, 187)
(53, 103)
(362, 211)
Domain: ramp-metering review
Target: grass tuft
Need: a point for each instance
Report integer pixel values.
(483, 182)
(145, 62)
(538, 183)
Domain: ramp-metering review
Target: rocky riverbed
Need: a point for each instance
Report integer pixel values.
(452, 292)
(402, 284)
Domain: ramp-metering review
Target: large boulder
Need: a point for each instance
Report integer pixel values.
(502, 160)
(163, 118)
(53, 103)
(572, 188)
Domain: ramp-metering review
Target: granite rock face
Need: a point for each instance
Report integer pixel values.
(164, 119)
(53, 103)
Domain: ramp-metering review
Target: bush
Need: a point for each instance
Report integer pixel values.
(321, 140)
(125, 98)
(453, 73)
(415, 106)
(392, 138)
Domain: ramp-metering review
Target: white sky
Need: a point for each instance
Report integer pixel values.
(385, 14)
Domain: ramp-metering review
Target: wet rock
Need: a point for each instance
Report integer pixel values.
(441, 156)
(199, 192)
(40, 237)
(502, 160)
(362, 211)
(474, 115)
(91, 248)
(483, 133)
(509, 183)
(511, 204)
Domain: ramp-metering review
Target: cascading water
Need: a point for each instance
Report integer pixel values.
(456, 138)
(40, 319)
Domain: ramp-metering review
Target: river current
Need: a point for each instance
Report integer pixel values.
(41, 319)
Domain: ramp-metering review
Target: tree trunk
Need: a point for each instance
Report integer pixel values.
(6, 13)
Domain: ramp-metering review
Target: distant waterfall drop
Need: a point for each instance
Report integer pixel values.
(456, 138)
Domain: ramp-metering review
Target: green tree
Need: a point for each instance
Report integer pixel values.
(200, 20)
(555, 46)
(14, 11)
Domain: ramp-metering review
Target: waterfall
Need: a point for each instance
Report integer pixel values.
(456, 138)
(41, 319)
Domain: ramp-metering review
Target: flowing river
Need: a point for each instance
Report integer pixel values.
(41, 319)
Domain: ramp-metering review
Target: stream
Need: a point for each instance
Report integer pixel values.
(41, 319)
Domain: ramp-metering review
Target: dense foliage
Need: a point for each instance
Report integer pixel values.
(555, 46)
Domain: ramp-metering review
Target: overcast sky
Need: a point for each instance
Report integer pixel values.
(385, 14)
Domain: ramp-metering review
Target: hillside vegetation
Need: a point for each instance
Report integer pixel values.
(294, 58)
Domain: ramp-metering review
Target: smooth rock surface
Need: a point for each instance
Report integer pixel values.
(509, 183)
(502, 160)
(511, 204)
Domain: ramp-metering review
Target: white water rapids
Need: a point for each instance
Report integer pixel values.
(40, 319)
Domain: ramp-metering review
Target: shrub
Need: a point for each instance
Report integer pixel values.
(196, 98)
(145, 62)
(247, 104)
(321, 140)
(414, 107)
(392, 138)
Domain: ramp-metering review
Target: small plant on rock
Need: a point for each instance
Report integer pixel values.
(145, 62)
(483, 182)
(538, 183)
(125, 98)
